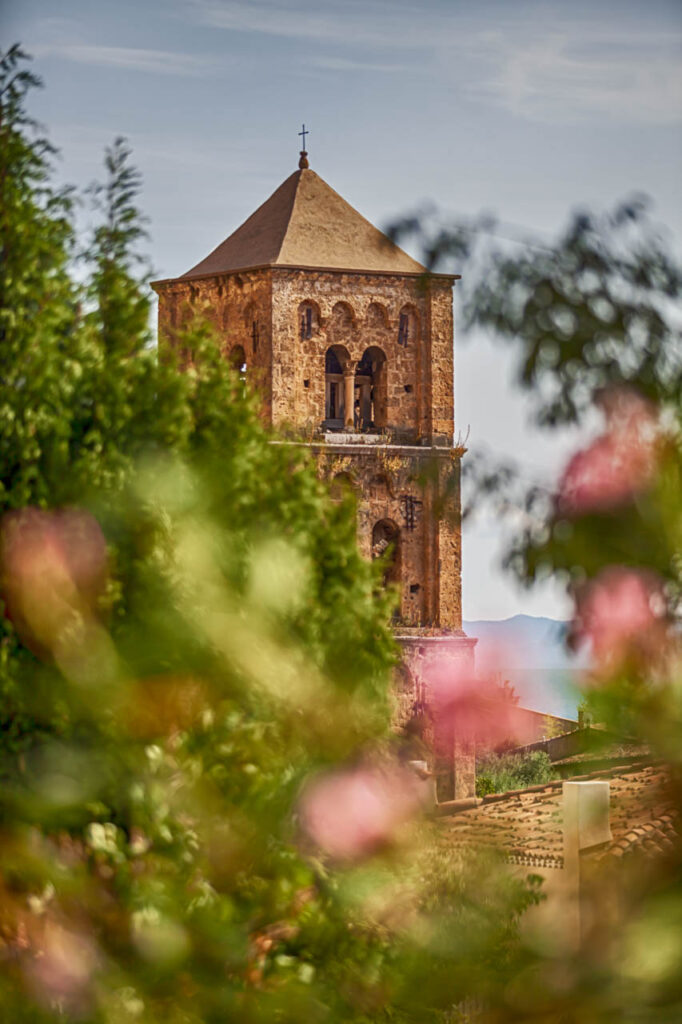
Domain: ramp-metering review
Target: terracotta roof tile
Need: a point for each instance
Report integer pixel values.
(305, 223)
(654, 838)
(527, 825)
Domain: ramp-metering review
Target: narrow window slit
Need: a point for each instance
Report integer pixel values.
(403, 327)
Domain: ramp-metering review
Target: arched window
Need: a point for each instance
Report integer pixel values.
(341, 324)
(371, 390)
(386, 545)
(408, 326)
(335, 360)
(308, 320)
(377, 316)
(341, 486)
(379, 487)
(237, 360)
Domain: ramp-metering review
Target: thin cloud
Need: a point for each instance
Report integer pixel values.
(343, 64)
(86, 142)
(382, 23)
(558, 70)
(163, 62)
(570, 75)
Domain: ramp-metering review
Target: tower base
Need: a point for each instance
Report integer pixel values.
(453, 757)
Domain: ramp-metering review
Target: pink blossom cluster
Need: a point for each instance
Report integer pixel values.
(467, 708)
(618, 464)
(350, 813)
(621, 613)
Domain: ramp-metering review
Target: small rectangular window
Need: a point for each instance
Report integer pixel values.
(408, 389)
(414, 588)
(306, 383)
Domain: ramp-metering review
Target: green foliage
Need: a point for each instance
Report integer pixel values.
(553, 728)
(499, 773)
(84, 399)
(590, 312)
(170, 684)
(593, 320)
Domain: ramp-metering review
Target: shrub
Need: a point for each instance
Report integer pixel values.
(499, 773)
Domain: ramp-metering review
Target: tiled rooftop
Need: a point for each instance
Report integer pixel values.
(654, 838)
(526, 825)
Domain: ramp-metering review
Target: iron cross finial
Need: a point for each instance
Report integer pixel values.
(303, 162)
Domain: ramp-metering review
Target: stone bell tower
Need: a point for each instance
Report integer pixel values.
(350, 345)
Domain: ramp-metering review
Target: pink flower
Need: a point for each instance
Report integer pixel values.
(53, 568)
(467, 708)
(350, 814)
(619, 613)
(618, 464)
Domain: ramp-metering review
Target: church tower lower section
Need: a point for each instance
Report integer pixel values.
(408, 514)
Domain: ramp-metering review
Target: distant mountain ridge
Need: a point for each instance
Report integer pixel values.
(530, 652)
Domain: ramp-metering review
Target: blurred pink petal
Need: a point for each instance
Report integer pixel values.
(61, 970)
(618, 464)
(54, 567)
(84, 548)
(349, 814)
(620, 611)
(467, 708)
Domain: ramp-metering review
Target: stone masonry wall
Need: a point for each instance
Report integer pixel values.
(233, 303)
(355, 311)
(447, 522)
(441, 362)
(358, 311)
(406, 486)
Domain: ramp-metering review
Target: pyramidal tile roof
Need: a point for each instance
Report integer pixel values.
(305, 223)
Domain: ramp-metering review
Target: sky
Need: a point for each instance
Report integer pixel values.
(523, 109)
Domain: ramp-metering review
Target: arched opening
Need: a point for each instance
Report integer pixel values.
(335, 361)
(379, 487)
(308, 320)
(341, 487)
(386, 545)
(237, 360)
(377, 316)
(342, 320)
(371, 400)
